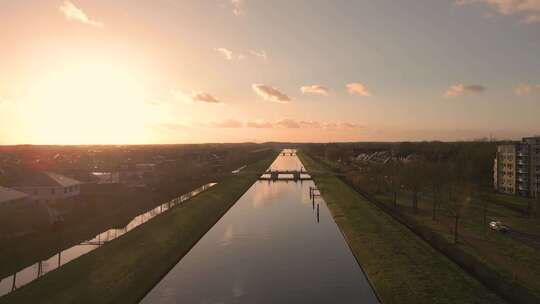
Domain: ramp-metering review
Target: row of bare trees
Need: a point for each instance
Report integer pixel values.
(443, 181)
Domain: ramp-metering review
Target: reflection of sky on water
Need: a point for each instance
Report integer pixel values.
(268, 248)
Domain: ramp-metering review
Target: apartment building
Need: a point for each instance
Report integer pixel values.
(517, 168)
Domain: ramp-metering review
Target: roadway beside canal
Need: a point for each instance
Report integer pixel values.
(401, 267)
(124, 270)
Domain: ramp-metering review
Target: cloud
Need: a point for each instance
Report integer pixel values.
(261, 54)
(237, 7)
(350, 125)
(525, 89)
(197, 96)
(315, 89)
(310, 124)
(227, 123)
(460, 89)
(530, 8)
(288, 123)
(284, 123)
(73, 13)
(358, 89)
(228, 54)
(270, 93)
(204, 97)
(522, 90)
(259, 124)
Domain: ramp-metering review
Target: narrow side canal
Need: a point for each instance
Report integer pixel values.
(270, 247)
(34, 271)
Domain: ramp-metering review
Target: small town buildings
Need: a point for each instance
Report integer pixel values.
(516, 168)
(137, 174)
(47, 187)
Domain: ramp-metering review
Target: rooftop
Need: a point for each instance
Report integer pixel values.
(43, 179)
(7, 194)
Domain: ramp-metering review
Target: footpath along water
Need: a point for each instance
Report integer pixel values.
(38, 269)
(275, 245)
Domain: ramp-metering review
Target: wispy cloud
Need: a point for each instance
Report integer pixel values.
(284, 123)
(287, 123)
(525, 89)
(237, 7)
(73, 13)
(315, 89)
(196, 96)
(529, 8)
(226, 53)
(350, 125)
(522, 90)
(270, 93)
(461, 89)
(227, 123)
(358, 89)
(261, 54)
(259, 124)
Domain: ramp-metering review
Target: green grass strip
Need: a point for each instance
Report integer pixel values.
(401, 267)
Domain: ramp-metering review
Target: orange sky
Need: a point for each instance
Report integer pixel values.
(165, 71)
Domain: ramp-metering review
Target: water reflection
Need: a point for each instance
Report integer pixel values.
(271, 247)
(40, 268)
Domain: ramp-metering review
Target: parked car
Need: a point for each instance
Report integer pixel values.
(498, 226)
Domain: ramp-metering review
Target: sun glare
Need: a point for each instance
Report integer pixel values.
(88, 103)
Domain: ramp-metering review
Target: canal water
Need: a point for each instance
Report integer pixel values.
(32, 272)
(270, 247)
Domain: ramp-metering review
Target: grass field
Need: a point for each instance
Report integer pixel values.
(124, 270)
(514, 259)
(401, 267)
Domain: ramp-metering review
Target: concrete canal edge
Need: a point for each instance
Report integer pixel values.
(126, 269)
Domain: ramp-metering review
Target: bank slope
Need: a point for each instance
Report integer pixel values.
(401, 267)
(124, 270)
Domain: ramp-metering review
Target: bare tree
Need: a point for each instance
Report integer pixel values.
(392, 174)
(413, 178)
(437, 174)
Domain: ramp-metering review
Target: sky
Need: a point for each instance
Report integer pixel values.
(171, 71)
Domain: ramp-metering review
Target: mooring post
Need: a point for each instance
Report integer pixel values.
(317, 213)
(13, 286)
(40, 269)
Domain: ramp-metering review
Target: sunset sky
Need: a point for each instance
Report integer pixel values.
(172, 71)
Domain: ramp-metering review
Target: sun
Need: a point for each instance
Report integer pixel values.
(91, 103)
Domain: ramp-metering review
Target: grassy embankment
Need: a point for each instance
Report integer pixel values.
(512, 258)
(401, 267)
(124, 270)
(83, 223)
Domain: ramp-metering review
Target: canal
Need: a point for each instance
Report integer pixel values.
(32, 272)
(270, 247)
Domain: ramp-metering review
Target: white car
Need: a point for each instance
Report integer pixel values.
(498, 226)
